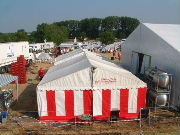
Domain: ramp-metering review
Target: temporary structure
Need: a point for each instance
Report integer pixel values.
(7, 79)
(68, 56)
(89, 85)
(44, 57)
(155, 45)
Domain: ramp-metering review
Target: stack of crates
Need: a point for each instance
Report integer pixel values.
(19, 69)
(14, 67)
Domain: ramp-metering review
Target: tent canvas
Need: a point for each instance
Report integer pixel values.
(91, 87)
(159, 42)
(44, 56)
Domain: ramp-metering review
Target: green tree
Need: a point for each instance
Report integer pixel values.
(21, 35)
(107, 37)
(127, 26)
(56, 34)
(110, 23)
(51, 32)
(32, 37)
(7, 37)
(121, 27)
(73, 27)
(91, 27)
(40, 33)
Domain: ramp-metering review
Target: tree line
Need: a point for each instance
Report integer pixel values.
(91, 28)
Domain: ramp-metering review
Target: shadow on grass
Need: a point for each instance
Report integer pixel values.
(27, 102)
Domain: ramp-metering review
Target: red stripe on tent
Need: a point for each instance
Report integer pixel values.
(106, 104)
(141, 98)
(51, 103)
(69, 102)
(124, 96)
(88, 101)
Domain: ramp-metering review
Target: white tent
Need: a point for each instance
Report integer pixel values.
(113, 46)
(160, 45)
(44, 56)
(68, 56)
(87, 84)
(79, 54)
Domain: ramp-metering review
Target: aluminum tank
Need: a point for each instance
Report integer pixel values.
(158, 99)
(157, 76)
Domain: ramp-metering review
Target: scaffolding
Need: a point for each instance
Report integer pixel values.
(158, 97)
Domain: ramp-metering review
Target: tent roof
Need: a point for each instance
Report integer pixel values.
(69, 55)
(44, 56)
(79, 53)
(168, 32)
(6, 79)
(76, 73)
(92, 57)
(64, 71)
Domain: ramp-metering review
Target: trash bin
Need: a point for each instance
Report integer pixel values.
(3, 117)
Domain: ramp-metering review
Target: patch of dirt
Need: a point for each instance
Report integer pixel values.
(109, 55)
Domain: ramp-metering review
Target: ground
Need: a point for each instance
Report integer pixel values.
(22, 118)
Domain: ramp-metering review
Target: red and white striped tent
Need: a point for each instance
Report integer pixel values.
(88, 84)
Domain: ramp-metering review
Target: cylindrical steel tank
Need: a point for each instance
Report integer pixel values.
(159, 99)
(157, 76)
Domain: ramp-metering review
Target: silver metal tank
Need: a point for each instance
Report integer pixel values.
(159, 99)
(159, 77)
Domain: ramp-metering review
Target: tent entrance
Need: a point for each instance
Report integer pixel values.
(139, 61)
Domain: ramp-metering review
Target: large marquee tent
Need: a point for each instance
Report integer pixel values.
(88, 84)
(160, 46)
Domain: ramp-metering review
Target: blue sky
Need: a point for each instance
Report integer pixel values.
(26, 14)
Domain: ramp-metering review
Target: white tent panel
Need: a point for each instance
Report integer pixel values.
(64, 71)
(78, 103)
(42, 103)
(63, 64)
(132, 102)
(115, 100)
(103, 79)
(97, 102)
(60, 103)
(77, 81)
(168, 32)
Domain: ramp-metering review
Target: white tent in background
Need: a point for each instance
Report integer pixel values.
(160, 46)
(44, 57)
(88, 84)
(113, 46)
